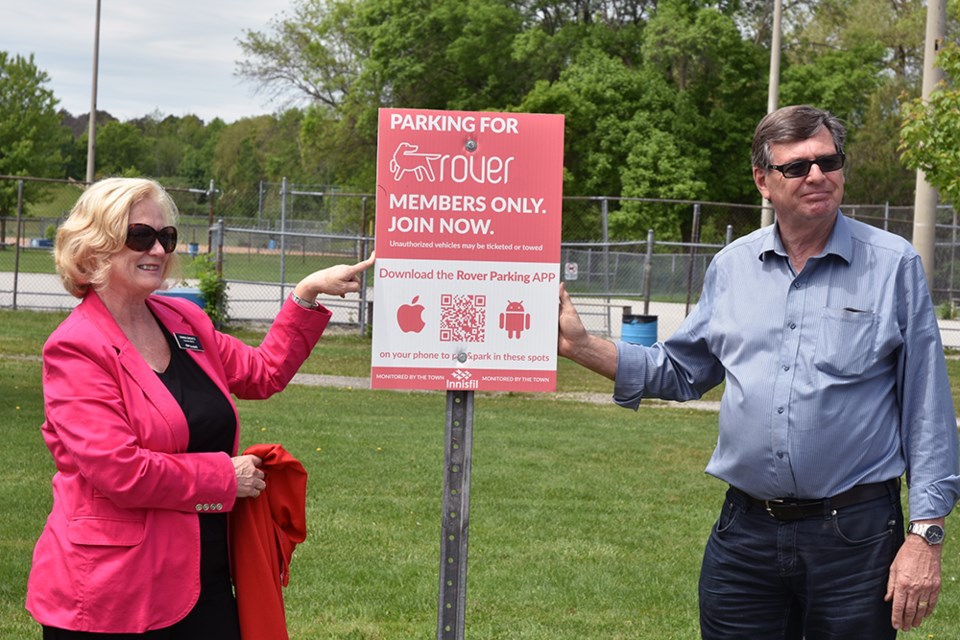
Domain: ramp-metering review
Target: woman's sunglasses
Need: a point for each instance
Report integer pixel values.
(141, 237)
(801, 168)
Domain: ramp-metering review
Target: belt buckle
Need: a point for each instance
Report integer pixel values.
(770, 504)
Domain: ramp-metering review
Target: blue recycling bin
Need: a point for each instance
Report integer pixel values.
(189, 293)
(639, 329)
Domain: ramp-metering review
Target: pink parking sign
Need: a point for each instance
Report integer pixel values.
(468, 250)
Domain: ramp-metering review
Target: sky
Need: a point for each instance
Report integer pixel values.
(177, 57)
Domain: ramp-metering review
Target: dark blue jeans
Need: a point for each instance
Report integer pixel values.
(820, 578)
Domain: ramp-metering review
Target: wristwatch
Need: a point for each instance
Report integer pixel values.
(931, 533)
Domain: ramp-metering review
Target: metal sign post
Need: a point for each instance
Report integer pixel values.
(456, 515)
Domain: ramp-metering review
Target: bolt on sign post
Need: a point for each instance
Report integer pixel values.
(467, 279)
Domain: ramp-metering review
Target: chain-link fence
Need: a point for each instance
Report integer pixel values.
(268, 238)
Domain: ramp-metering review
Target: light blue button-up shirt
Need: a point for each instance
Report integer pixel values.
(834, 376)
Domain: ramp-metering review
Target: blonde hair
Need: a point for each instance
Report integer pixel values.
(96, 230)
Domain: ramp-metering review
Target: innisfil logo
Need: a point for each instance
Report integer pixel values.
(406, 159)
(461, 379)
(461, 375)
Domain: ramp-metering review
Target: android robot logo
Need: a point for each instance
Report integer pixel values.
(514, 319)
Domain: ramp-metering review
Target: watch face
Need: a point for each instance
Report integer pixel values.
(934, 534)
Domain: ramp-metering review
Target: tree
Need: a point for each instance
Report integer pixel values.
(312, 55)
(930, 135)
(196, 168)
(721, 81)
(860, 59)
(656, 168)
(254, 149)
(167, 140)
(31, 137)
(875, 174)
(122, 150)
(660, 96)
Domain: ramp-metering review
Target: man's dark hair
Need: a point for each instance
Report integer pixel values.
(793, 124)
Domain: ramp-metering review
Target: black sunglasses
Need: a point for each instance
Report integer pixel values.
(801, 168)
(141, 237)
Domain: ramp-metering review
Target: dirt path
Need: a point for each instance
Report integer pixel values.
(316, 380)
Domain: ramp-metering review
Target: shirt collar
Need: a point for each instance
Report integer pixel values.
(840, 242)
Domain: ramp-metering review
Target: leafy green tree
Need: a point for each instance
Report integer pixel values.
(656, 167)
(283, 153)
(349, 58)
(334, 153)
(721, 80)
(622, 125)
(250, 150)
(32, 140)
(930, 135)
(196, 168)
(660, 96)
(874, 172)
(311, 55)
(860, 59)
(74, 152)
(122, 150)
(440, 54)
(837, 80)
(170, 137)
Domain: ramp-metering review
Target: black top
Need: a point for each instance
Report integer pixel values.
(210, 419)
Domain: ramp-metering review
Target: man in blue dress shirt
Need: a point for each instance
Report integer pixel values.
(823, 329)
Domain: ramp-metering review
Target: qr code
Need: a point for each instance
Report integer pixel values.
(462, 318)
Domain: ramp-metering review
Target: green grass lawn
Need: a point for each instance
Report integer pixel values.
(240, 265)
(587, 521)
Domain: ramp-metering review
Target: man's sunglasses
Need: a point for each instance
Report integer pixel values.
(801, 168)
(141, 237)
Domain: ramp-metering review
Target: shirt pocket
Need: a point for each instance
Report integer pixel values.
(846, 341)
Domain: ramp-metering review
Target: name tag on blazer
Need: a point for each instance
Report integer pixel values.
(187, 342)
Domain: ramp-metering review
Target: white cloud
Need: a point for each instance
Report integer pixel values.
(176, 57)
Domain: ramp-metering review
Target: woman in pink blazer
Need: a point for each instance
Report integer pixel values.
(143, 430)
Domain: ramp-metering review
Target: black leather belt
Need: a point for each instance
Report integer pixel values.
(792, 509)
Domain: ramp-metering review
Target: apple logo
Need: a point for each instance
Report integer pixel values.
(410, 316)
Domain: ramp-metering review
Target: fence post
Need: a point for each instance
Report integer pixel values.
(694, 239)
(16, 246)
(362, 311)
(260, 196)
(647, 268)
(217, 233)
(283, 239)
(221, 232)
(210, 196)
(729, 237)
(953, 256)
(605, 220)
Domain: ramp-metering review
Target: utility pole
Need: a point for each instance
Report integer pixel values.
(925, 198)
(92, 128)
(773, 91)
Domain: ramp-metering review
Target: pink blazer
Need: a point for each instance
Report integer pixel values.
(120, 551)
